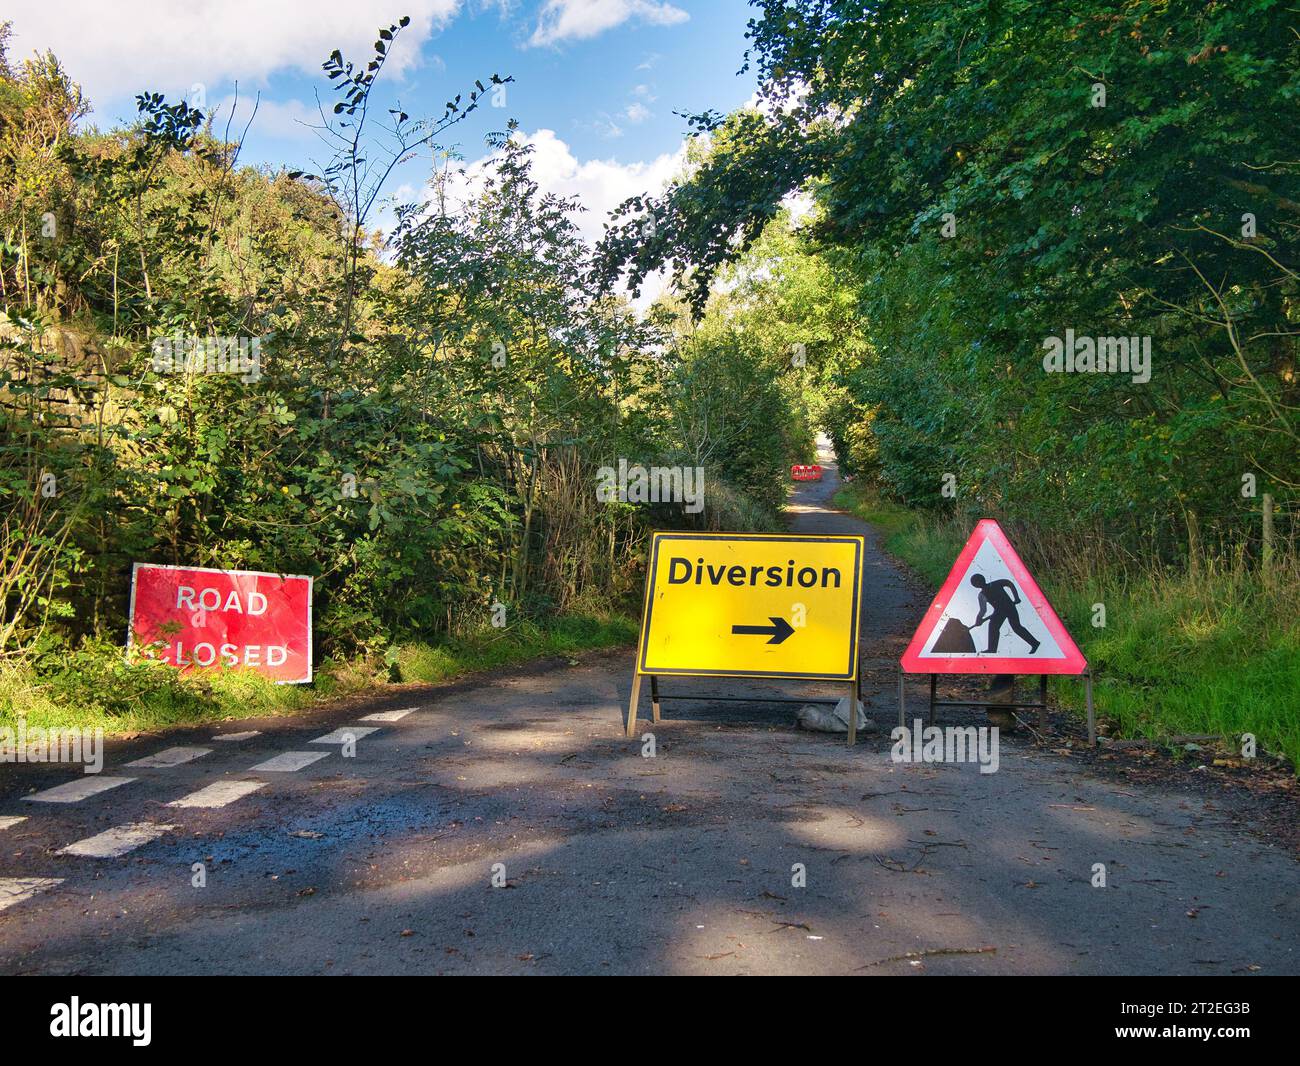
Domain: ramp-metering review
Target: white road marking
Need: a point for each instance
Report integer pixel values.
(288, 761)
(238, 736)
(117, 841)
(340, 736)
(16, 889)
(171, 757)
(387, 716)
(8, 821)
(78, 790)
(218, 794)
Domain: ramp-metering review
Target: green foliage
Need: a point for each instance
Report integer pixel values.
(994, 174)
(564, 635)
(727, 411)
(765, 365)
(423, 425)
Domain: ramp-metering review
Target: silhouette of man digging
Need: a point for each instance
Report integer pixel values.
(1001, 599)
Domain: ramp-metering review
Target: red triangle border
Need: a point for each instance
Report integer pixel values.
(988, 530)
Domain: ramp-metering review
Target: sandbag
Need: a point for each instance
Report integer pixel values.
(822, 719)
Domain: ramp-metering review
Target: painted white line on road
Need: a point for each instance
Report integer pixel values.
(171, 757)
(238, 736)
(16, 889)
(78, 790)
(387, 716)
(340, 736)
(9, 820)
(289, 761)
(218, 794)
(112, 843)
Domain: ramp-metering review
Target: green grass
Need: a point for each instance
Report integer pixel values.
(1213, 651)
(563, 635)
(95, 687)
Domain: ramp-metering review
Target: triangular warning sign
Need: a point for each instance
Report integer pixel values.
(991, 617)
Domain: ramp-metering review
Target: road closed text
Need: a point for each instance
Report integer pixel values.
(206, 654)
(206, 599)
(196, 618)
(210, 599)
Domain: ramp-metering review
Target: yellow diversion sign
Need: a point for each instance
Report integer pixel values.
(750, 605)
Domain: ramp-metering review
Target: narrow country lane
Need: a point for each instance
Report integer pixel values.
(616, 863)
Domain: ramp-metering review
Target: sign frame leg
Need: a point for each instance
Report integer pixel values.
(902, 696)
(631, 707)
(654, 698)
(1092, 716)
(855, 690)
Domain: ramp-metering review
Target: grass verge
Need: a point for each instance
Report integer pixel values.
(95, 687)
(1208, 649)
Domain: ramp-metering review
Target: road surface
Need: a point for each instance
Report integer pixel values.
(611, 862)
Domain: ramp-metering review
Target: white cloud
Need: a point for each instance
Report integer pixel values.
(565, 20)
(127, 46)
(600, 185)
(637, 112)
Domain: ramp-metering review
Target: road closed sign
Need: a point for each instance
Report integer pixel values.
(752, 605)
(196, 618)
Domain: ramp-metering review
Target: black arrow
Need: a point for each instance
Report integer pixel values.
(778, 630)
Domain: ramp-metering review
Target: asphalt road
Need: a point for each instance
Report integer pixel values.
(611, 862)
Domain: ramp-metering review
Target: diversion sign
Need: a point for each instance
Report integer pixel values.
(752, 605)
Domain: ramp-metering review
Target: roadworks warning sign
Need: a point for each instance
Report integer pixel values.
(752, 605)
(991, 617)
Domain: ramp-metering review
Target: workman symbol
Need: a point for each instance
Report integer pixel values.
(1000, 599)
(990, 585)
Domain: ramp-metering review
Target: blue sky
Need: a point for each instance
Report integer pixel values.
(597, 81)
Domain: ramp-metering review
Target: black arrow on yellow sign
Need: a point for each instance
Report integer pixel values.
(778, 630)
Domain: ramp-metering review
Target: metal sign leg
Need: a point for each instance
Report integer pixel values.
(902, 698)
(855, 690)
(1092, 718)
(631, 706)
(654, 697)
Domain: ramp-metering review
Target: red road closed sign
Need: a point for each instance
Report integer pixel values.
(806, 472)
(196, 618)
